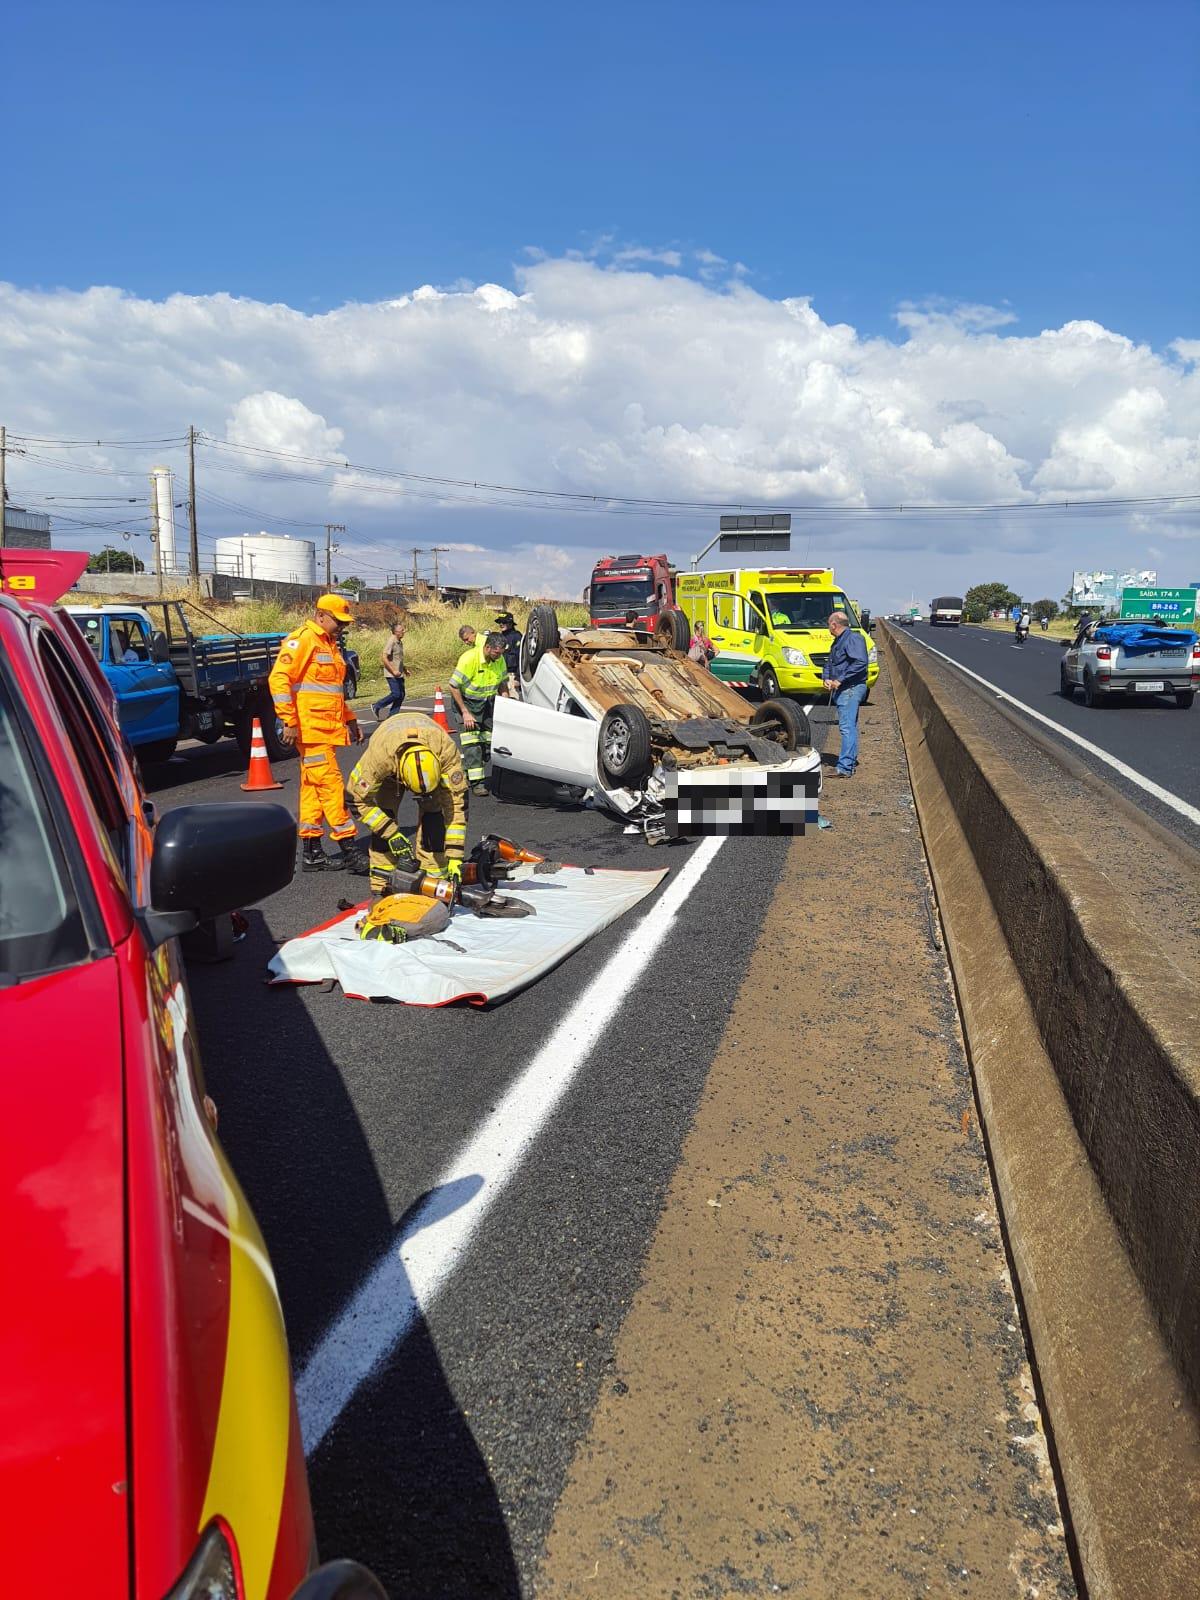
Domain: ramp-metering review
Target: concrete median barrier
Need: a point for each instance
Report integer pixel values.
(1082, 1034)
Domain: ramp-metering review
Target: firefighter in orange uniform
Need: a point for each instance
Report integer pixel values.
(308, 690)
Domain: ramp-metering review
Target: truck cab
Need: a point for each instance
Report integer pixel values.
(132, 655)
(769, 626)
(634, 591)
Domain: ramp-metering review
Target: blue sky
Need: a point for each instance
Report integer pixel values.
(1036, 156)
(745, 253)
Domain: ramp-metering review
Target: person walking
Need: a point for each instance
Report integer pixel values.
(309, 695)
(392, 661)
(410, 754)
(846, 680)
(478, 678)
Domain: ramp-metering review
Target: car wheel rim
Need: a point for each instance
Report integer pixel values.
(616, 745)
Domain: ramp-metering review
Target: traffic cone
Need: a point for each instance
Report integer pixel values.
(259, 775)
(439, 710)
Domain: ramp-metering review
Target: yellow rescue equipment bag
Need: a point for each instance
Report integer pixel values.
(397, 918)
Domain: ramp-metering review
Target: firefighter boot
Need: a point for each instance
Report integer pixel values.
(353, 857)
(314, 858)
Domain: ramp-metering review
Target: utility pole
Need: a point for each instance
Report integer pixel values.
(3, 489)
(330, 529)
(154, 531)
(415, 553)
(193, 536)
(436, 551)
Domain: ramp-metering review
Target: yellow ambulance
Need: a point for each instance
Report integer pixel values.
(769, 625)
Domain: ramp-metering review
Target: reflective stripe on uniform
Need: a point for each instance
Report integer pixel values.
(323, 657)
(314, 761)
(375, 819)
(282, 699)
(335, 689)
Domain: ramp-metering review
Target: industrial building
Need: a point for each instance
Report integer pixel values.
(26, 530)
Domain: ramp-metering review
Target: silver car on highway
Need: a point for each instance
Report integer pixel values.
(1106, 671)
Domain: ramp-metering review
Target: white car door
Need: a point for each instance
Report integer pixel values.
(545, 744)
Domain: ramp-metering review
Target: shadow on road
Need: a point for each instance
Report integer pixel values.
(399, 1482)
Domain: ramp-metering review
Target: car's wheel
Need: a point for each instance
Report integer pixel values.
(672, 626)
(1065, 687)
(784, 722)
(768, 683)
(541, 634)
(351, 683)
(1184, 698)
(1092, 697)
(272, 729)
(625, 753)
(158, 751)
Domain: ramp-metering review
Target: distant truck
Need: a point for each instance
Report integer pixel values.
(637, 592)
(945, 611)
(173, 684)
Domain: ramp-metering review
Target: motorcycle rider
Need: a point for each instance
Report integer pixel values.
(1022, 629)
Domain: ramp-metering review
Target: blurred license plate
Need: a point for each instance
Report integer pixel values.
(1149, 688)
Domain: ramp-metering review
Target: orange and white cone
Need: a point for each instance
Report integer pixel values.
(259, 775)
(439, 710)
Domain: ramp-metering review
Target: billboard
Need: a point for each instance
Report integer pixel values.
(1102, 591)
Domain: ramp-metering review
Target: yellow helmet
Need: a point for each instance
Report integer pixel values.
(420, 770)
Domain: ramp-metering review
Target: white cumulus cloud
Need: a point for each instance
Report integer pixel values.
(594, 374)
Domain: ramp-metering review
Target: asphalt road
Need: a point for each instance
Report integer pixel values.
(443, 1471)
(1151, 735)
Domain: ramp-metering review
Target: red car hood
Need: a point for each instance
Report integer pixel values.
(62, 1333)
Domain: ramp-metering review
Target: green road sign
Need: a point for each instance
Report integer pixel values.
(1159, 605)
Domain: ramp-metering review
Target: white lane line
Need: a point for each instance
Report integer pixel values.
(1191, 812)
(407, 1279)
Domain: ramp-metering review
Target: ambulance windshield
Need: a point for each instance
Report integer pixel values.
(800, 608)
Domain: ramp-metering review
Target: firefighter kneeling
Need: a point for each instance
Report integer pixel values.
(409, 753)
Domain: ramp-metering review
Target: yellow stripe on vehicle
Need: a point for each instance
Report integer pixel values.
(250, 1452)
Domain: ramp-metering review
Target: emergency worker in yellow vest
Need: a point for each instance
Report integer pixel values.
(480, 675)
(410, 754)
(308, 691)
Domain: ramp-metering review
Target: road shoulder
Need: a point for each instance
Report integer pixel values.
(821, 1385)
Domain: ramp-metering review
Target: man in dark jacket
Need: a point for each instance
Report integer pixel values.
(846, 680)
(510, 638)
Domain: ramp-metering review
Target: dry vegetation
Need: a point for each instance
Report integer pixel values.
(431, 645)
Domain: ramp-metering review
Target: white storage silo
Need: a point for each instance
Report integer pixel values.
(162, 496)
(274, 556)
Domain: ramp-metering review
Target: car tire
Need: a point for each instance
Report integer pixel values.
(1065, 687)
(351, 683)
(624, 746)
(157, 752)
(672, 626)
(272, 729)
(768, 684)
(541, 634)
(1093, 698)
(794, 732)
(1184, 698)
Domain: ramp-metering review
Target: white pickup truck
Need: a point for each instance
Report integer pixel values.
(1118, 660)
(653, 735)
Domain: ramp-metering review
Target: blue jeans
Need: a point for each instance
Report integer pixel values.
(393, 700)
(847, 702)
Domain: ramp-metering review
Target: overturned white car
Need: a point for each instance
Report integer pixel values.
(653, 735)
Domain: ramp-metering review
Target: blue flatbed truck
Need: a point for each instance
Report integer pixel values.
(172, 683)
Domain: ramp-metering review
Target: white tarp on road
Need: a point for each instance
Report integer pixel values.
(477, 958)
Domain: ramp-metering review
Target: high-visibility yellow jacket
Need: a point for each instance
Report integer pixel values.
(374, 782)
(477, 679)
(308, 687)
